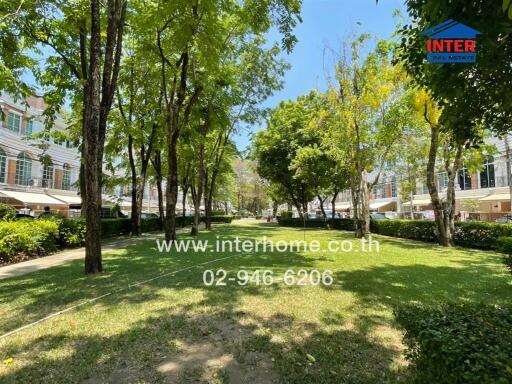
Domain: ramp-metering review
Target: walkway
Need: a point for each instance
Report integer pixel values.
(63, 257)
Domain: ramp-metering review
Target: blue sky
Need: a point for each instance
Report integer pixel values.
(325, 24)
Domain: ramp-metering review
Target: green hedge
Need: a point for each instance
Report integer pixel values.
(7, 212)
(458, 343)
(469, 234)
(505, 246)
(342, 224)
(407, 229)
(219, 219)
(30, 237)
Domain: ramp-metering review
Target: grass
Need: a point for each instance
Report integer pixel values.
(176, 329)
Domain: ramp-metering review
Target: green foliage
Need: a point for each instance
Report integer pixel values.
(7, 212)
(505, 246)
(286, 215)
(115, 227)
(151, 224)
(219, 219)
(341, 224)
(30, 237)
(407, 229)
(72, 232)
(479, 100)
(458, 343)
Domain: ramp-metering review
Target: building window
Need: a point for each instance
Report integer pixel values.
(380, 190)
(3, 164)
(393, 189)
(14, 122)
(464, 179)
(30, 127)
(487, 178)
(442, 180)
(23, 169)
(66, 177)
(48, 176)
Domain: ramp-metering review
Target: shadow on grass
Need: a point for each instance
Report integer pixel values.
(210, 339)
(223, 346)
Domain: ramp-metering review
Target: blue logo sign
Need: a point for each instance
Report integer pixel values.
(451, 42)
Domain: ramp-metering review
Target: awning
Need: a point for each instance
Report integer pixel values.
(68, 199)
(469, 197)
(497, 197)
(31, 198)
(419, 202)
(380, 204)
(342, 206)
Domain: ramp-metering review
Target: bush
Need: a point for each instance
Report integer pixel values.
(407, 229)
(183, 221)
(286, 215)
(343, 224)
(479, 234)
(7, 212)
(219, 219)
(72, 232)
(115, 227)
(151, 224)
(505, 246)
(30, 237)
(458, 343)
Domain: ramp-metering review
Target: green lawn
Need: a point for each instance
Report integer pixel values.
(175, 329)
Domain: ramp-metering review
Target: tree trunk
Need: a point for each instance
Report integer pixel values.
(135, 215)
(91, 200)
(157, 165)
(322, 206)
(439, 218)
(333, 203)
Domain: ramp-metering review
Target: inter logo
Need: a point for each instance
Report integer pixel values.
(451, 42)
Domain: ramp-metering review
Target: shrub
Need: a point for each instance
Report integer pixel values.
(72, 232)
(343, 224)
(219, 219)
(115, 227)
(286, 215)
(7, 212)
(505, 246)
(30, 237)
(407, 229)
(479, 234)
(151, 224)
(458, 343)
(184, 220)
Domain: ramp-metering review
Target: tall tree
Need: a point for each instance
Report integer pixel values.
(82, 50)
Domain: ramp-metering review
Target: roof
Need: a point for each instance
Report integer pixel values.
(68, 199)
(379, 204)
(497, 197)
(31, 198)
(451, 29)
(418, 202)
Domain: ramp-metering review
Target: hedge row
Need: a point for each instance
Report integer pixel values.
(30, 237)
(458, 343)
(470, 234)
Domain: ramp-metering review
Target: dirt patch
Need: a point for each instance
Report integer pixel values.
(216, 357)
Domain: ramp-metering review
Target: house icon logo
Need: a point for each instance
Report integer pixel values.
(451, 42)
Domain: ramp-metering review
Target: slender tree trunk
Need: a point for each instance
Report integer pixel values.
(322, 206)
(135, 215)
(333, 203)
(157, 165)
(432, 188)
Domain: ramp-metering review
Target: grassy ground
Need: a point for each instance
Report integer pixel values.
(175, 329)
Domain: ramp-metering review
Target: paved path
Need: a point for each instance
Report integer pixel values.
(63, 257)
